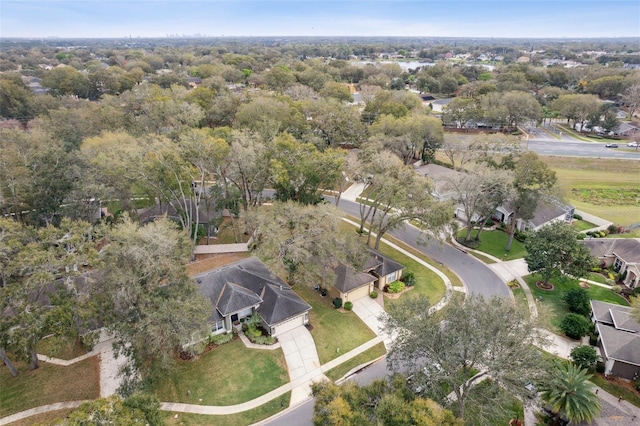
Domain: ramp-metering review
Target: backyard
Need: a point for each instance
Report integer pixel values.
(227, 375)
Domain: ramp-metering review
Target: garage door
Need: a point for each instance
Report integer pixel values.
(285, 326)
(358, 293)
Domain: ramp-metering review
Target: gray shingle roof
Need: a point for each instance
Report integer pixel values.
(602, 311)
(240, 285)
(386, 265)
(620, 345)
(624, 321)
(627, 249)
(348, 279)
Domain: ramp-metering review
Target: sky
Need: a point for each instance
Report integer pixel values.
(419, 18)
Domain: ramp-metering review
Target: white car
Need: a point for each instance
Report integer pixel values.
(632, 144)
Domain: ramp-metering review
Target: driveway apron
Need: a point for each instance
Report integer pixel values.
(370, 312)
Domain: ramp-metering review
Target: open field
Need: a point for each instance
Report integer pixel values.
(607, 188)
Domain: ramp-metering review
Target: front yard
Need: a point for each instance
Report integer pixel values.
(227, 375)
(48, 384)
(334, 332)
(553, 299)
(494, 243)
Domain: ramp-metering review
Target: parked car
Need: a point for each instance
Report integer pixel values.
(632, 144)
(611, 145)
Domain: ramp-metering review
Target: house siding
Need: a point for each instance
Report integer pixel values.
(624, 370)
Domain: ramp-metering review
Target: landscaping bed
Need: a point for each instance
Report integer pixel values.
(61, 348)
(227, 375)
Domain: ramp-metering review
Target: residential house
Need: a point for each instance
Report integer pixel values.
(377, 272)
(618, 339)
(548, 210)
(441, 177)
(623, 254)
(240, 289)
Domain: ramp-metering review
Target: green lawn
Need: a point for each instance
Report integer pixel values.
(553, 298)
(369, 355)
(521, 300)
(335, 333)
(599, 278)
(582, 225)
(616, 389)
(239, 419)
(494, 242)
(428, 283)
(48, 384)
(227, 375)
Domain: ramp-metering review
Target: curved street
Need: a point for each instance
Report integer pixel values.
(475, 275)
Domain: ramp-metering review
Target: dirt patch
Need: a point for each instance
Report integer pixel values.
(544, 286)
(583, 284)
(208, 262)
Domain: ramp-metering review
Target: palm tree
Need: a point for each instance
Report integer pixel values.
(570, 394)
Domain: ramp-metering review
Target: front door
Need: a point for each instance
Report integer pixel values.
(234, 318)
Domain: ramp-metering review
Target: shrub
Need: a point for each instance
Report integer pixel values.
(585, 357)
(348, 306)
(409, 279)
(577, 299)
(574, 326)
(635, 292)
(373, 294)
(593, 339)
(596, 269)
(264, 340)
(337, 303)
(636, 385)
(221, 339)
(520, 236)
(612, 229)
(396, 287)
(603, 234)
(600, 367)
(581, 236)
(577, 216)
(616, 289)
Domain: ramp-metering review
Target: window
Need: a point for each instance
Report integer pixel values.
(218, 326)
(391, 277)
(617, 264)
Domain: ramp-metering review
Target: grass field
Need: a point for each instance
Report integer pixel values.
(61, 348)
(582, 225)
(553, 299)
(334, 332)
(369, 355)
(239, 419)
(47, 384)
(227, 375)
(602, 187)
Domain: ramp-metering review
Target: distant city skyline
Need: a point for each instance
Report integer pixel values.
(418, 18)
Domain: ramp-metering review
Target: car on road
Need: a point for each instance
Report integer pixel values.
(632, 144)
(611, 145)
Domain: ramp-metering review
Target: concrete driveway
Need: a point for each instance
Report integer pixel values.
(302, 362)
(369, 311)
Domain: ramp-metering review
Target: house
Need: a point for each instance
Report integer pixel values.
(618, 339)
(548, 210)
(621, 253)
(377, 272)
(240, 289)
(441, 176)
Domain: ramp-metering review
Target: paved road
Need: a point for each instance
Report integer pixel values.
(573, 148)
(477, 277)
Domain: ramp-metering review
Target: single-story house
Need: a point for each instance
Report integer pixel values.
(621, 253)
(547, 211)
(377, 272)
(441, 176)
(240, 289)
(618, 339)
